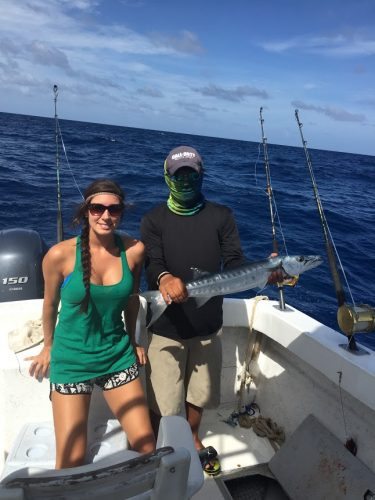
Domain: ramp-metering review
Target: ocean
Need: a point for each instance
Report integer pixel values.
(234, 176)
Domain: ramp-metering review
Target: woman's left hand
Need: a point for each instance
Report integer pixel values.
(140, 352)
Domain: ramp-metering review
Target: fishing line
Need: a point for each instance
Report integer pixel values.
(342, 404)
(351, 319)
(19, 366)
(59, 133)
(269, 189)
(255, 166)
(341, 266)
(60, 226)
(330, 244)
(272, 208)
(350, 444)
(67, 160)
(280, 228)
(273, 200)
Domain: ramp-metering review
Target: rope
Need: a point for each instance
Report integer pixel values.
(262, 426)
(246, 376)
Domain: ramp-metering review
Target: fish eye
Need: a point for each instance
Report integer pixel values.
(300, 258)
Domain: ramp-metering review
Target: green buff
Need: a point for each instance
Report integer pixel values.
(185, 198)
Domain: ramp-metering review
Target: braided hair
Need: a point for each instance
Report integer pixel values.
(81, 218)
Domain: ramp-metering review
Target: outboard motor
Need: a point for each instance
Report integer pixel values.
(21, 254)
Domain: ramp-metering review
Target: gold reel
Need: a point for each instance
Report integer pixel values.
(354, 319)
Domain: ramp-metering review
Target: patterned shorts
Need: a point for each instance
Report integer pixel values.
(105, 382)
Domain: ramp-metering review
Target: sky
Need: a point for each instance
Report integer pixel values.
(199, 66)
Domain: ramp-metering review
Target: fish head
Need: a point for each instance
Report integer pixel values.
(294, 265)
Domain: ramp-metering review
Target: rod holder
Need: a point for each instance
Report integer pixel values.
(281, 298)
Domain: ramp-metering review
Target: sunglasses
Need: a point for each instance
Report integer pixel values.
(182, 177)
(97, 209)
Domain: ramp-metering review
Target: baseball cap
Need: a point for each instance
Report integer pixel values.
(183, 156)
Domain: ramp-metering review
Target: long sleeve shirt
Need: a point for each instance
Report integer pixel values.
(209, 241)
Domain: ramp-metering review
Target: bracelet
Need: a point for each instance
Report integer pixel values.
(160, 276)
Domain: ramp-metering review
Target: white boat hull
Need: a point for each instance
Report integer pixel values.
(300, 370)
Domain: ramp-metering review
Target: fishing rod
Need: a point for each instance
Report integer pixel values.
(351, 319)
(60, 230)
(271, 202)
(269, 186)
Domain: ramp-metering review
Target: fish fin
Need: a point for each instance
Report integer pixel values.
(147, 295)
(198, 273)
(200, 301)
(262, 283)
(157, 307)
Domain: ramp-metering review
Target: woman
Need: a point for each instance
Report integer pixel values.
(95, 276)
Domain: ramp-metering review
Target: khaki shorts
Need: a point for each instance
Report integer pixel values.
(186, 370)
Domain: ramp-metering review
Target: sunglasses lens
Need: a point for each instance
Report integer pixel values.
(115, 210)
(98, 209)
(185, 177)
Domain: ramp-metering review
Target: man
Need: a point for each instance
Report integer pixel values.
(184, 353)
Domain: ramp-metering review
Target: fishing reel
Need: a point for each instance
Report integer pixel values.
(355, 319)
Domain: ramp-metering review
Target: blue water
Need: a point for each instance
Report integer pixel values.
(234, 176)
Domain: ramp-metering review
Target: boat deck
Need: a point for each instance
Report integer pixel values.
(237, 446)
(241, 452)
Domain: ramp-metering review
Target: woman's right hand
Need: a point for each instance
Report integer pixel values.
(40, 363)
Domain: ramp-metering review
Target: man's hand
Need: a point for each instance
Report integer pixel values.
(172, 289)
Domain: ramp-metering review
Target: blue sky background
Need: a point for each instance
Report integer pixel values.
(202, 67)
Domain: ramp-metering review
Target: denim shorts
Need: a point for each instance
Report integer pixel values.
(105, 382)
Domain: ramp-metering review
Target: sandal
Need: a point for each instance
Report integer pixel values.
(209, 460)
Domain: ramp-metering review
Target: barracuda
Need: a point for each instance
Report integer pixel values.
(204, 286)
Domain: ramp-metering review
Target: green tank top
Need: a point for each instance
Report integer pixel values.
(87, 345)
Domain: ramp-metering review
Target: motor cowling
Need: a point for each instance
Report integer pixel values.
(21, 255)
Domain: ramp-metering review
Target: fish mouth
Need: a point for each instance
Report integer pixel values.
(313, 261)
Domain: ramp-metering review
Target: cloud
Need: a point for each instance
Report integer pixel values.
(64, 31)
(67, 41)
(237, 94)
(8, 47)
(49, 56)
(310, 86)
(369, 101)
(36, 51)
(336, 45)
(150, 92)
(85, 5)
(186, 42)
(195, 108)
(336, 114)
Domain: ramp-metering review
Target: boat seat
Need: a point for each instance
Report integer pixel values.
(172, 471)
(35, 444)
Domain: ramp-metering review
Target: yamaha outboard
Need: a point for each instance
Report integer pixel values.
(21, 254)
